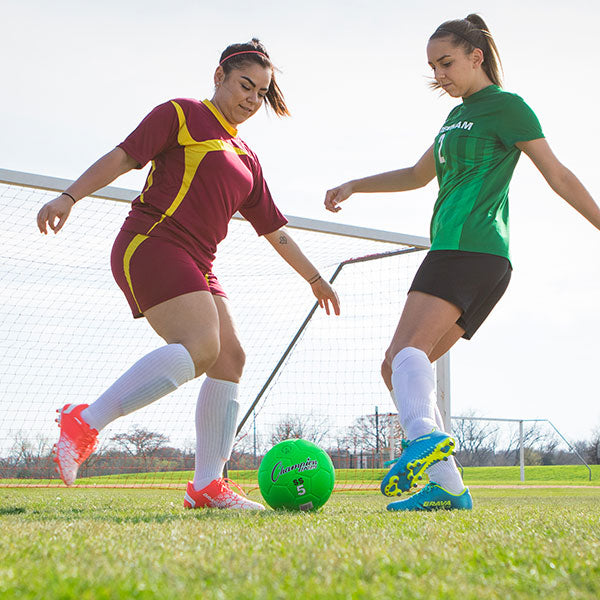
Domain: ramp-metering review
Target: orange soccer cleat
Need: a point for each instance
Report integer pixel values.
(218, 494)
(76, 442)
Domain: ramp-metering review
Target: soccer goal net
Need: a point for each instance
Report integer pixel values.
(66, 334)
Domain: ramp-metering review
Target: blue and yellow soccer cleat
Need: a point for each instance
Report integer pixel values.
(434, 497)
(418, 455)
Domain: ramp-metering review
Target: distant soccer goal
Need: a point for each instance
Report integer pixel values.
(66, 334)
(493, 441)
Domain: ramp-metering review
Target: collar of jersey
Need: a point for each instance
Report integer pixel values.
(215, 111)
(486, 91)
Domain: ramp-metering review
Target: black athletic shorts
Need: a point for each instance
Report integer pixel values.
(473, 281)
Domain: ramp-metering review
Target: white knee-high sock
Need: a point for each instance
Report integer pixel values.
(438, 415)
(216, 420)
(153, 376)
(447, 475)
(444, 473)
(414, 392)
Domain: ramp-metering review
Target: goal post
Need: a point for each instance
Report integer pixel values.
(68, 333)
(484, 441)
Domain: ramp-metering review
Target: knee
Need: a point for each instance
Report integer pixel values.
(388, 360)
(386, 373)
(395, 349)
(386, 365)
(230, 364)
(204, 353)
(236, 361)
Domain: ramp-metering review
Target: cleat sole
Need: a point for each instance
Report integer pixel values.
(395, 483)
(417, 468)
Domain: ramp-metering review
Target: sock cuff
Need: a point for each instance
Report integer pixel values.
(407, 353)
(219, 389)
(185, 370)
(222, 383)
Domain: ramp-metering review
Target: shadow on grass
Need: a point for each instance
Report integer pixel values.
(11, 510)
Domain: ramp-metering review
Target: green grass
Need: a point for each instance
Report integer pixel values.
(101, 544)
(534, 475)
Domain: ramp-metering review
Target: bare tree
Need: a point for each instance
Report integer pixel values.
(296, 427)
(476, 440)
(242, 454)
(29, 458)
(533, 435)
(548, 451)
(592, 448)
(349, 442)
(140, 442)
(26, 450)
(373, 433)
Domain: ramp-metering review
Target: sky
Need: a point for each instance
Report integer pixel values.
(79, 76)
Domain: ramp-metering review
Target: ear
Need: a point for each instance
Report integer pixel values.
(219, 76)
(477, 57)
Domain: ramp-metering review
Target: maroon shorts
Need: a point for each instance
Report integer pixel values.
(150, 270)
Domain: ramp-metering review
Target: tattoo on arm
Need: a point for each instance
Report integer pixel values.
(283, 239)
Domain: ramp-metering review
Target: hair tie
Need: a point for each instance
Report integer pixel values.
(69, 196)
(245, 52)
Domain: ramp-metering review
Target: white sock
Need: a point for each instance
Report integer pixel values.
(216, 420)
(414, 392)
(438, 415)
(153, 376)
(446, 473)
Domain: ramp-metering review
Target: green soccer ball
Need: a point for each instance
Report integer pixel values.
(296, 475)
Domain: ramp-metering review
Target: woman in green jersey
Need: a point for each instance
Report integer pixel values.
(468, 267)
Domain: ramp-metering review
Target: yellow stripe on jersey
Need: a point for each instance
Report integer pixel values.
(215, 111)
(133, 246)
(149, 181)
(194, 153)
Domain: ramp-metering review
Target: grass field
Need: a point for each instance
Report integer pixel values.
(345, 478)
(105, 544)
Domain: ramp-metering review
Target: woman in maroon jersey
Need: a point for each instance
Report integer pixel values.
(201, 174)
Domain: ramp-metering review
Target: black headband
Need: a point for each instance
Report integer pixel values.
(442, 29)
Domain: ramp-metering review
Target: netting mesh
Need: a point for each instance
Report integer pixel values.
(66, 334)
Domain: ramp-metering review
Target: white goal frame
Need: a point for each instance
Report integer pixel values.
(124, 195)
(521, 439)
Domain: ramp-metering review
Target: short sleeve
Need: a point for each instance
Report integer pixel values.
(259, 209)
(156, 133)
(519, 123)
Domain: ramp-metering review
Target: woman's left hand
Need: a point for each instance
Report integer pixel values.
(325, 294)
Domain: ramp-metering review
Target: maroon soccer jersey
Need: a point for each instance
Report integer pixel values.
(201, 174)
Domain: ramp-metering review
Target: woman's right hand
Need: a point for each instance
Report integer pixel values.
(336, 195)
(54, 214)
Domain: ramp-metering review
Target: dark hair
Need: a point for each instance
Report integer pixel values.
(254, 51)
(471, 33)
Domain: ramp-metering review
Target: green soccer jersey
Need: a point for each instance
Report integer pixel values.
(475, 157)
